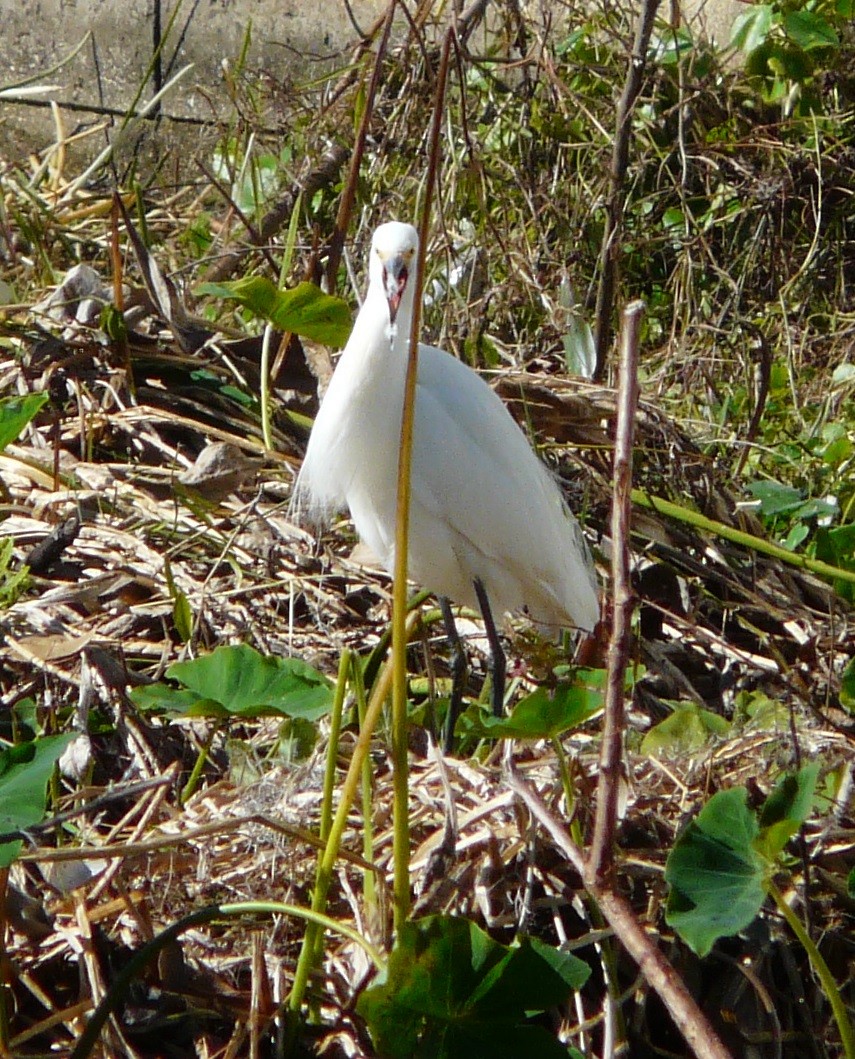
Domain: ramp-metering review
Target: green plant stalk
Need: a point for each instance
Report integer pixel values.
(747, 540)
(569, 798)
(264, 396)
(140, 960)
(344, 666)
(838, 1008)
(332, 746)
(369, 884)
(400, 789)
(328, 859)
(189, 788)
(5, 994)
(400, 773)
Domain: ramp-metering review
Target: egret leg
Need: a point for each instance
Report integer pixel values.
(458, 673)
(497, 654)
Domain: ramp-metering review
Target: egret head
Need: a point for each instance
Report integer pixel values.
(394, 250)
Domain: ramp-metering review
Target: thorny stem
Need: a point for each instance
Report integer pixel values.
(657, 971)
(600, 859)
(596, 869)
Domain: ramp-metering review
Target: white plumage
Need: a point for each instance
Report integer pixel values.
(483, 506)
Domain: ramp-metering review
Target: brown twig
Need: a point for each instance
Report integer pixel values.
(617, 174)
(321, 176)
(761, 393)
(599, 862)
(345, 205)
(254, 233)
(657, 971)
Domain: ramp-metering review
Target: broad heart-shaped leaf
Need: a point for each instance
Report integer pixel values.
(717, 878)
(786, 809)
(304, 310)
(238, 681)
(15, 413)
(24, 773)
(543, 714)
(449, 990)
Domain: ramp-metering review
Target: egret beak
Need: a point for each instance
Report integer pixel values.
(395, 276)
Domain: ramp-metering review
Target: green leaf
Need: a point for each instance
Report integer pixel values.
(843, 375)
(238, 681)
(751, 28)
(795, 537)
(837, 547)
(12, 581)
(717, 878)
(305, 310)
(449, 990)
(182, 615)
(809, 30)
(25, 770)
(786, 809)
(16, 412)
(837, 451)
(688, 729)
(759, 712)
(775, 497)
(580, 355)
(544, 714)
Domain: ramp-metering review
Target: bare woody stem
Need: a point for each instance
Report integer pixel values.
(599, 862)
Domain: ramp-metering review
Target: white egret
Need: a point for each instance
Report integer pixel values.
(488, 523)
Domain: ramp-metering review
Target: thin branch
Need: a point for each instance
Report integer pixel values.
(599, 863)
(345, 205)
(596, 869)
(321, 176)
(658, 972)
(617, 175)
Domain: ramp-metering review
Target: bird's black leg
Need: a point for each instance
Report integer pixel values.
(458, 673)
(497, 653)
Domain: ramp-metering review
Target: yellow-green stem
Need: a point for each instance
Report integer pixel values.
(838, 1008)
(332, 757)
(189, 788)
(747, 540)
(330, 854)
(344, 666)
(369, 883)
